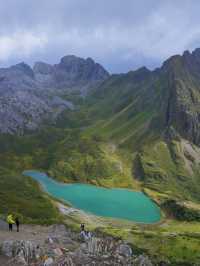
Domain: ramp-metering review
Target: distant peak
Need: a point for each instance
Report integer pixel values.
(69, 59)
(22, 65)
(42, 68)
(40, 63)
(172, 61)
(89, 59)
(143, 69)
(196, 52)
(25, 68)
(72, 63)
(186, 53)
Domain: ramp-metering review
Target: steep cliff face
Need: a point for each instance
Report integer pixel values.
(183, 112)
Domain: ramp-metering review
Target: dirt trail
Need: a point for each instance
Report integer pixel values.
(30, 232)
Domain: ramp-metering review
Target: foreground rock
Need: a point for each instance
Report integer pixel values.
(64, 247)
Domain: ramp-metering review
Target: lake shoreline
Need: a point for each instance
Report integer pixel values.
(115, 197)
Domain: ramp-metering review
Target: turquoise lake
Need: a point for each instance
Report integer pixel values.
(115, 203)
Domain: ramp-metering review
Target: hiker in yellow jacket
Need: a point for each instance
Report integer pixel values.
(10, 221)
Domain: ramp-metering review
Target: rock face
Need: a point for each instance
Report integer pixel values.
(72, 73)
(28, 97)
(183, 109)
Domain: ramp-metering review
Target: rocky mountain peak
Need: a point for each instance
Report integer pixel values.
(187, 61)
(70, 59)
(196, 52)
(83, 69)
(90, 60)
(24, 68)
(172, 63)
(42, 68)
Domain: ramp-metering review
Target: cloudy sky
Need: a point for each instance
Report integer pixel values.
(120, 34)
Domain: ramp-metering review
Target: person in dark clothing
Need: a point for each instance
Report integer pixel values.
(82, 227)
(17, 223)
(10, 227)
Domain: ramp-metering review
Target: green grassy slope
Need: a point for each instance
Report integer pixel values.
(22, 197)
(19, 194)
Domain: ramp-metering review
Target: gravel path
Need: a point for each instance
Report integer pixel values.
(30, 232)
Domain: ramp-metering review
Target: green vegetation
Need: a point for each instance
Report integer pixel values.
(180, 211)
(23, 197)
(82, 159)
(163, 167)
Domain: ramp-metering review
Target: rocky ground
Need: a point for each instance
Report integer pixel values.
(58, 245)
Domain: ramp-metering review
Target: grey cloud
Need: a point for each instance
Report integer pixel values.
(120, 34)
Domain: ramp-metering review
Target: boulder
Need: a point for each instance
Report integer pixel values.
(125, 250)
(58, 252)
(48, 262)
(142, 260)
(23, 250)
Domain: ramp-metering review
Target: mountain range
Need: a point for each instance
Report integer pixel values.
(29, 96)
(77, 122)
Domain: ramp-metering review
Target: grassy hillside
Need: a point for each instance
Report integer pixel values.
(19, 194)
(166, 167)
(23, 197)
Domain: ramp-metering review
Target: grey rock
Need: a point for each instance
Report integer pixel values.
(125, 250)
(58, 252)
(48, 262)
(7, 248)
(142, 260)
(24, 250)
